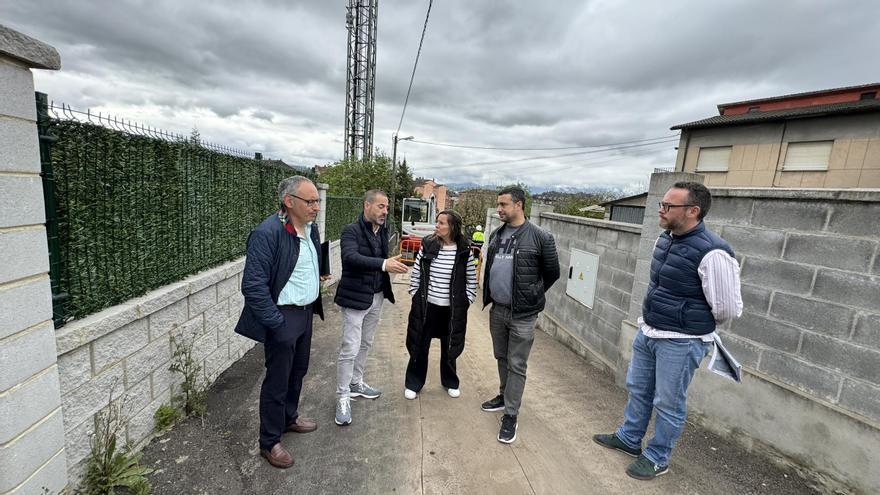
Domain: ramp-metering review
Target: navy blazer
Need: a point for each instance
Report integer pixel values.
(271, 257)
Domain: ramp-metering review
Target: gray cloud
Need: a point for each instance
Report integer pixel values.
(270, 75)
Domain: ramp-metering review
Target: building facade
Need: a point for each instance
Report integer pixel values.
(821, 139)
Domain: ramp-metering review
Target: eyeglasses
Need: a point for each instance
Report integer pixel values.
(666, 206)
(308, 202)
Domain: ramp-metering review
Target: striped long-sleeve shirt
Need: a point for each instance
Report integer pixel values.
(441, 276)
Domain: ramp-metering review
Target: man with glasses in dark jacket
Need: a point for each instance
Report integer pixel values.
(521, 265)
(281, 288)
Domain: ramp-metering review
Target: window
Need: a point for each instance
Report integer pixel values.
(715, 159)
(868, 95)
(810, 155)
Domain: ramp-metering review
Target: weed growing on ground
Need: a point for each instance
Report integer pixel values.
(166, 416)
(109, 467)
(193, 391)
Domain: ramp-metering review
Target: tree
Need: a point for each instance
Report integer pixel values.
(355, 177)
(570, 204)
(195, 137)
(472, 206)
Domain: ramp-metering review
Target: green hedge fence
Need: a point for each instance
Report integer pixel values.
(136, 213)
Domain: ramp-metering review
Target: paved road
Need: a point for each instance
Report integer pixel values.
(436, 444)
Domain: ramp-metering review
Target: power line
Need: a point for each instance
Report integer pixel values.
(447, 145)
(546, 157)
(416, 64)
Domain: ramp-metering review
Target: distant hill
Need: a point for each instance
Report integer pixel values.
(463, 186)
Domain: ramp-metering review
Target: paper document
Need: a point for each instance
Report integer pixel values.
(723, 363)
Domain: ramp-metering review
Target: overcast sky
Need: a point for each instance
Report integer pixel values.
(269, 75)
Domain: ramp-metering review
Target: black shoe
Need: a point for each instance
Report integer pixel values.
(644, 469)
(507, 433)
(611, 441)
(494, 404)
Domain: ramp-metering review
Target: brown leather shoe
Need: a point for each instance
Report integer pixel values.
(278, 456)
(302, 425)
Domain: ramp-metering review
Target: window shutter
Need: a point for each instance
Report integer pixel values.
(715, 159)
(812, 155)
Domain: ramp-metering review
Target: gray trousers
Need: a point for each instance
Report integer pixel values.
(358, 328)
(511, 343)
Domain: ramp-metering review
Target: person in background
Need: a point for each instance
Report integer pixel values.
(478, 237)
(443, 284)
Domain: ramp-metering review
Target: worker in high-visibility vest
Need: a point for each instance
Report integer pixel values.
(478, 236)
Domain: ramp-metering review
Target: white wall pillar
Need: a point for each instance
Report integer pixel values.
(32, 453)
(322, 215)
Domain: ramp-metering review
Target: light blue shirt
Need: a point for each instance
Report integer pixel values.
(303, 287)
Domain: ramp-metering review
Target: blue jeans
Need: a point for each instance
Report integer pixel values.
(658, 378)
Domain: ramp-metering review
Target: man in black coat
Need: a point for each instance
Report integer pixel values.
(281, 288)
(363, 287)
(521, 265)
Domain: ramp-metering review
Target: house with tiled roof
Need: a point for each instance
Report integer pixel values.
(824, 139)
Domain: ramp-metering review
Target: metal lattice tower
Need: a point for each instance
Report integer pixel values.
(360, 88)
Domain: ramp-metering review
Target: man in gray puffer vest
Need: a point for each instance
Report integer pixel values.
(694, 285)
(521, 265)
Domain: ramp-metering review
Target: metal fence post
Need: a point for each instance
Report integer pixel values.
(58, 296)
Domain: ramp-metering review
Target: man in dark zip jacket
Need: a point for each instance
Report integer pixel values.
(362, 289)
(521, 265)
(281, 288)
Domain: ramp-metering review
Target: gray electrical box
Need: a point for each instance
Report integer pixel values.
(582, 272)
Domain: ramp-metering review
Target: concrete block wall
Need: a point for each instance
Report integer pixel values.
(126, 350)
(809, 337)
(594, 333)
(811, 290)
(32, 455)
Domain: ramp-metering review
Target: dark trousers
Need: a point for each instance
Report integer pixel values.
(287, 362)
(437, 327)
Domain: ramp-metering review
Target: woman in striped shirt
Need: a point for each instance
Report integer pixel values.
(443, 284)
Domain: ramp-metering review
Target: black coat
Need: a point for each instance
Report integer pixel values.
(271, 257)
(535, 268)
(360, 263)
(416, 336)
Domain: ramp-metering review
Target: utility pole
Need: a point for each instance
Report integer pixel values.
(361, 18)
(394, 140)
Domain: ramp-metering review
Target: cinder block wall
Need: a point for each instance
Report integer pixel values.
(32, 453)
(811, 289)
(593, 333)
(127, 350)
(809, 338)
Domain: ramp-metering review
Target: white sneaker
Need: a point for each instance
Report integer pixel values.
(454, 392)
(410, 394)
(343, 411)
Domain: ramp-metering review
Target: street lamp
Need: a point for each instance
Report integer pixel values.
(394, 140)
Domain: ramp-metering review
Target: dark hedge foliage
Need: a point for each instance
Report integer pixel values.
(341, 211)
(136, 213)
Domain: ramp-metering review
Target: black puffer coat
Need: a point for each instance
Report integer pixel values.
(535, 268)
(416, 336)
(361, 265)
